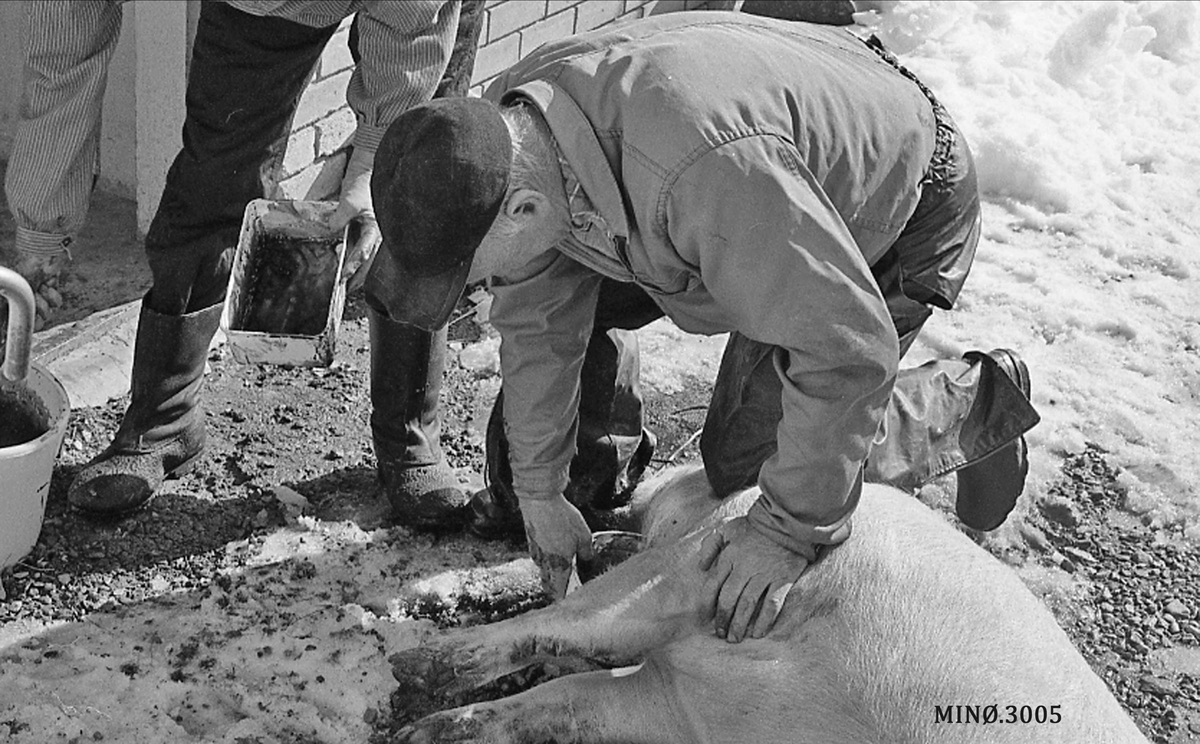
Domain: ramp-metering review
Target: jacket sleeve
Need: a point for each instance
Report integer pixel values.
(545, 322)
(55, 153)
(775, 255)
(403, 50)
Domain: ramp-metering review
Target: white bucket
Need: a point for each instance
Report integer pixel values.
(25, 471)
(25, 467)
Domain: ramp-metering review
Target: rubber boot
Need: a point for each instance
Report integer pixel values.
(162, 432)
(611, 445)
(967, 417)
(988, 488)
(613, 448)
(406, 378)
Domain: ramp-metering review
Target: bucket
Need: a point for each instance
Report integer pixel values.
(31, 401)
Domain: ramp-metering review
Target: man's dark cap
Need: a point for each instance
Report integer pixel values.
(439, 180)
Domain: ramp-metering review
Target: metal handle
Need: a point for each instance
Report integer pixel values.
(21, 310)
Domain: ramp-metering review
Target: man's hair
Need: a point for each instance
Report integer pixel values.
(534, 161)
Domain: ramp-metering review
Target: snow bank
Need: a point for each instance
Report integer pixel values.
(1085, 121)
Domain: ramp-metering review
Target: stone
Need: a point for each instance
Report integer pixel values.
(482, 359)
(1061, 511)
(1157, 685)
(291, 497)
(1178, 609)
(1079, 554)
(1062, 562)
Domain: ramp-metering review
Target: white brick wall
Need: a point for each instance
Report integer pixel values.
(514, 28)
(315, 155)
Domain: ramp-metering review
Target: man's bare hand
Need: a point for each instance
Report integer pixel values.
(362, 241)
(749, 579)
(356, 208)
(42, 271)
(557, 534)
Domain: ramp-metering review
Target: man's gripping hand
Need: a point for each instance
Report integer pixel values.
(42, 271)
(749, 577)
(557, 534)
(356, 206)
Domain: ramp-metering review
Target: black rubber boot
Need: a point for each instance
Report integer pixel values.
(964, 415)
(960, 416)
(613, 449)
(988, 488)
(406, 377)
(162, 432)
(494, 512)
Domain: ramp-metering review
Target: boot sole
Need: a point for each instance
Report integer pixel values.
(179, 470)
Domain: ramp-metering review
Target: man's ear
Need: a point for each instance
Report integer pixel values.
(526, 206)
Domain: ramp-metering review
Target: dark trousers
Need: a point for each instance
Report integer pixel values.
(246, 77)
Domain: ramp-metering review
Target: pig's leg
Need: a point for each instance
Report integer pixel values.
(611, 621)
(627, 705)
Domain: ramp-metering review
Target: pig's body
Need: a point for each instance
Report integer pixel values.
(906, 618)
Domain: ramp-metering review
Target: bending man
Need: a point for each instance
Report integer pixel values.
(787, 182)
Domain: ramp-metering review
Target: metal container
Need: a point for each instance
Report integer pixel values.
(284, 302)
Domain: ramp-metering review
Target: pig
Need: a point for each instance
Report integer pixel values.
(908, 632)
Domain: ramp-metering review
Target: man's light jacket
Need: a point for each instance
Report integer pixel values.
(746, 172)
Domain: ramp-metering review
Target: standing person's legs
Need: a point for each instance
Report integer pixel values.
(461, 67)
(246, 77)
(55, 153)
(406, 370)
(613, 447)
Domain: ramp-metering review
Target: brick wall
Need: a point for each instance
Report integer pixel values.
(311, 165)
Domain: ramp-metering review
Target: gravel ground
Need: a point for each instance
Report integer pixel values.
(1138, 621)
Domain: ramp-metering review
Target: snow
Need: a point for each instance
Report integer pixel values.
(1084, 120)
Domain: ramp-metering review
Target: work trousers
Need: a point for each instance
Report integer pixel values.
(246, 78)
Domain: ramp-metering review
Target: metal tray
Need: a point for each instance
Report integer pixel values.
(284, 301)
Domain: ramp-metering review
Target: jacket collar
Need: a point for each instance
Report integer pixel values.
(584, 163)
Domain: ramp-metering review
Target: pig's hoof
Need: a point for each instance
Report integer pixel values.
(463, 725)
(422, 667)
(411, 735)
